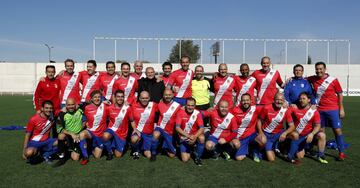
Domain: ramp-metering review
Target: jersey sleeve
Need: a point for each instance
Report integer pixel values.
(171, 79)
(60, 126)
(288, 116)
(199, 121)
(37, 93)
(287, 92)
(262, 113)
(178, 119)
(337, 86)
(30, 126)
(316, 118)
(278, 79)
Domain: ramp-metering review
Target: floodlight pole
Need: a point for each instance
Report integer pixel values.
(49, 49)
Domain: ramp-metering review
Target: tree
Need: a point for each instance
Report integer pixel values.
(187, 48)
(309, 60)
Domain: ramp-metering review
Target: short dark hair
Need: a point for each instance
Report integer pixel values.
(265, 57)
(49, 102)
(244, 64)
(49, 66)
(320, 63)
(125, 63)
(298, 65)
(93, 93)
(118, 91)
(167, 64)
(110, 62)
(190, 99)
(246, 94)
(69, 60)
(185, 56)
(306, 94)
(92, 62)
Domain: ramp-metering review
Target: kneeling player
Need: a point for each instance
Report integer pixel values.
(270, 124)
(190, 126)
(165, 128)
(37, 138)
(71, 124)
(223, 129)
(143, 116)
(307, 122)
(246, 117)
(96, 114)
(115, 136)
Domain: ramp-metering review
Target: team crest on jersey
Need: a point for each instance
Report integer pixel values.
(309, 114)
(326, 82)
(250, 112)
(123, 110)
(148, 107)
(251, 79)
(228, 81)
(172, 108)
(302, 85)
(193, 117)
(47, 85)
(271, 73)
(131, 81)
(227, 120)
(281, 113)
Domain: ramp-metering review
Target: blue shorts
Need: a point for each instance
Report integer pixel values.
(97, 142)
(181, 101)
(46, 145)
(168, 141)
(330, 118)
(145, 141)
(117, 143)
(185, 147)
(302, 143)
(213, 139)
(271, 139)
(244, 145)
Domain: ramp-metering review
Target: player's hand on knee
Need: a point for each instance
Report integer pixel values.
(222, 141)
(309, 138)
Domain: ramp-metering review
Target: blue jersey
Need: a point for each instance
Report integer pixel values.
(295, 87)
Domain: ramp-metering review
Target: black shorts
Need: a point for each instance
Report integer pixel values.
(72, 146)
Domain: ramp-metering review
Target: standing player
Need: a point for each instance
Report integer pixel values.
(72, 123)
(266, 81)
(69, 82)
(189, 125)
(167, 68)
(126, 83)
(307, 122)
(37, 137)
(119, 117)
(138, 70)
(96, 113)
(297, 85)
(180, 81)
(107, 81)
(48, 89)
(223, 129)
(143, 116)
(271, 124)
(224, 85)
(246, 116)
(245, 84)
(90, 81)
(165, 127)
(329, 99)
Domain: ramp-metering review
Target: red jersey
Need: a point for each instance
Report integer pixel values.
(266, 85)
(119, 120)
(107, 84)
(70, 87)
(90, 83)
(128, 85)
(190, 123)
(223, 87)
(96, 118)
(47, 90)
(245, 85)
(168, 116)
(246, 120)
(273, 119)
(165, 79)
(222, 127)
(144, 117)
(326, 90)
(182, 79)
(39, 127)
(305, 119)
(138, 76)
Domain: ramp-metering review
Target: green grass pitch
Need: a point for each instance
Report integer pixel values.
(165, 172)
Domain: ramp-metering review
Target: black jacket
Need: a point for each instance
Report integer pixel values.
(156, 89)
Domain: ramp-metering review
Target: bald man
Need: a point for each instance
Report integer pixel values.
(152, 85)
(138, 70)
(71, 123)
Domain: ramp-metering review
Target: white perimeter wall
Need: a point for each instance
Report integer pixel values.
(23, 77)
